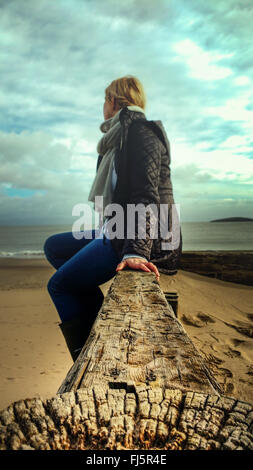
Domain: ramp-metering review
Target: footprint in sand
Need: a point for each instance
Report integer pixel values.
(243, 345)
(212, 359)
(205, 318)
(226, 380)
(199, 320)
(233, 353)
(226, 372)
(250, 370)
(192, 321)
(237, 342)
(243, 328)
(229, 388)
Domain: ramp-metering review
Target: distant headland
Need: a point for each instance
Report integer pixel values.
(233, 219)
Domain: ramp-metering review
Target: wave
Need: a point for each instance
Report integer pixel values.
(22, 254)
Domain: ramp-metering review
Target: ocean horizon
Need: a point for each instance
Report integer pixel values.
(27, 241)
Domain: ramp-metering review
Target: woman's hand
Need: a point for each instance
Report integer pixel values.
(138, 263)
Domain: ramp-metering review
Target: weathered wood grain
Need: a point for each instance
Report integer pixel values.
(136, 339)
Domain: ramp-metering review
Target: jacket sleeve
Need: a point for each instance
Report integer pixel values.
(144, 157)
(133, 256)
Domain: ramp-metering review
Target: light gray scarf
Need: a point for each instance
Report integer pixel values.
(107, 146)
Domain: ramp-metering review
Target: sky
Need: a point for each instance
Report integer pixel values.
(194, 59)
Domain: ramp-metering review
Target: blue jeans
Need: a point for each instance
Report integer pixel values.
(82, 265)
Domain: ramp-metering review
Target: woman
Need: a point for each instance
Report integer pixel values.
(132, 168)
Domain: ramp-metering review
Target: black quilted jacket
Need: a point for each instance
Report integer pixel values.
(142, 164)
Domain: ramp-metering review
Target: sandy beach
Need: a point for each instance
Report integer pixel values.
(217, 315)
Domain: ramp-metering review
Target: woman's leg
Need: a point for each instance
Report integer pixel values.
(76, 281)
(60, 247)
(81, 266)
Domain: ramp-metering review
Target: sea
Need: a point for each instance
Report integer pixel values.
(27, 241)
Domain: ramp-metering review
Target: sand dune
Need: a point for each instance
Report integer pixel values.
(34, 360)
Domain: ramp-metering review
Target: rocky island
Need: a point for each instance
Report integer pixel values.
(233, 219)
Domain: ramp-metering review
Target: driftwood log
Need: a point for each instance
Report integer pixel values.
(233, 266)
(138, 383)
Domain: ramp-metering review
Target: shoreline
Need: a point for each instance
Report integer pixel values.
(217, 316)
(227, 265)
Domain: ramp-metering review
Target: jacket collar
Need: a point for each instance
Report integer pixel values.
(128, 115)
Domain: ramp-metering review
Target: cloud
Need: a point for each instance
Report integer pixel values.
(202, 64)
(194, 59)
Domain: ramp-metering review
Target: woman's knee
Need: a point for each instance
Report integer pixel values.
(48, 245)
(51, 286)
(54, 284)
(51, 248)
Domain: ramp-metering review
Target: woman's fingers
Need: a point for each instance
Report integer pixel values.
(136, 263)
(121, 266)
(154, 268)
(131, 262)
(133, 265)
(140, 266)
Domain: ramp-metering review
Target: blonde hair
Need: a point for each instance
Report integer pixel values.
(127, 91)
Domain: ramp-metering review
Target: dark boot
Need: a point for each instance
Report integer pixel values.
(75, 335)
(77, 330)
